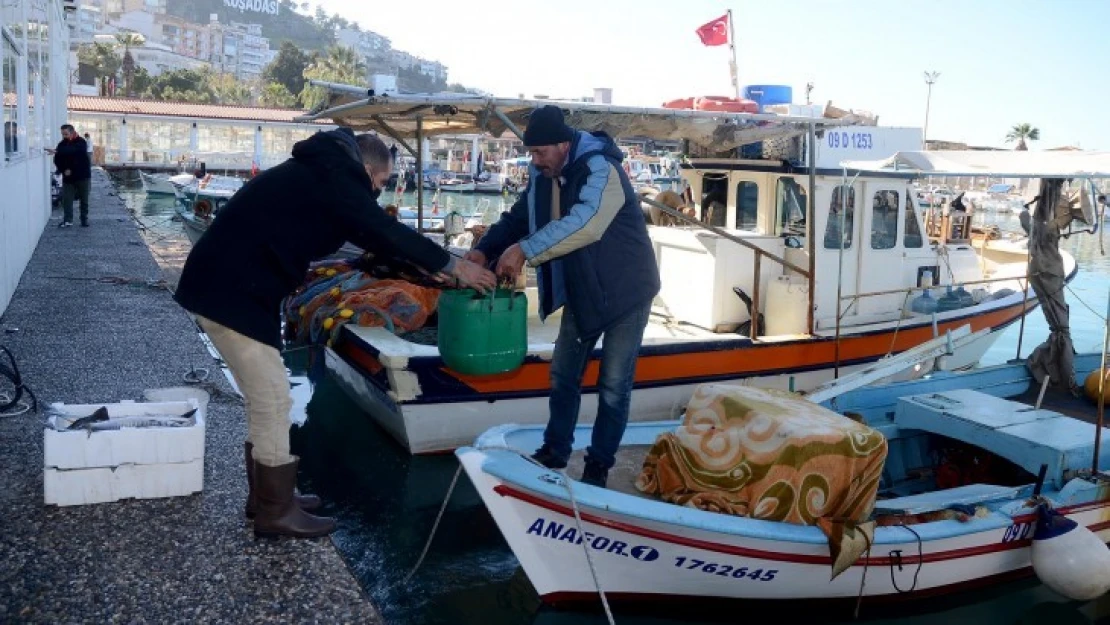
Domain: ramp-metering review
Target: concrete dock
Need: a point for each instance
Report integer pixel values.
(90, 322)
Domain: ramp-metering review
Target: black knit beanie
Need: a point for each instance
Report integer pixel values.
(547, 127)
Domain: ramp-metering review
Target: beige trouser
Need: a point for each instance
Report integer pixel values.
(260, 373)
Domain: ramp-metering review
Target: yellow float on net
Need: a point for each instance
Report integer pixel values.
(346, 313)
(331, 272)
(335, 291)
(302, 310)
(328, 323)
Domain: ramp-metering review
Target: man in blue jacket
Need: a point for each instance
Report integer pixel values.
(579, 223)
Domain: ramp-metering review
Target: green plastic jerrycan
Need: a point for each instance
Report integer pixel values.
(483, 334)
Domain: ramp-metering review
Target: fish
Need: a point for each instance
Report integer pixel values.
(101, 414)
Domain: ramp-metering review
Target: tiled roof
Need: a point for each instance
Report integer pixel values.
(125, 106)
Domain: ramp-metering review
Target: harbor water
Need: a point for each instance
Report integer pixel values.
(387, 501)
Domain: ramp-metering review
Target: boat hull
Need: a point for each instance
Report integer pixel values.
(156, 185)
(642, 548)
(427, 409)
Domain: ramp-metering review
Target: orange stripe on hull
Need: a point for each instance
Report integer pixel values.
(805, 354)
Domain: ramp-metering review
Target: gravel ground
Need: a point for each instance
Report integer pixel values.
(90, 322)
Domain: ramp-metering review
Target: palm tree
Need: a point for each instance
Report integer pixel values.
(1020, 133)
(128, 39)
(340, 65)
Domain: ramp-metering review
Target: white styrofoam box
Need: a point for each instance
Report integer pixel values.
(131, 481)
(81, 449)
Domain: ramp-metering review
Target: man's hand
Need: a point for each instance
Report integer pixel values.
(477, 257)
(475, 276)
(511, 262)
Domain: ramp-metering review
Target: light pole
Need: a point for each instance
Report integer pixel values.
(930, 78)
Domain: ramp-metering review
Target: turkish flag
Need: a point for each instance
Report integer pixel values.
(715, 33)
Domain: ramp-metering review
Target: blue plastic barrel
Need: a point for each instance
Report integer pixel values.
(767, 95)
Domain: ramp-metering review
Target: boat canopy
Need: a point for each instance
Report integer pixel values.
(998, 164)
(455, 113)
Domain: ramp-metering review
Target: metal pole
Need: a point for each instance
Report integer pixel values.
(1101, 389)
(1024, 311)
(811, 217)
(844, 190)
(755, 299)
(930, 78)
(420, 175)
(732, 49)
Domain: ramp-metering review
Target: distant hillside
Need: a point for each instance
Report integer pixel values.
(287, 24)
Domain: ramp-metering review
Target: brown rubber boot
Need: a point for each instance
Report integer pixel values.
(306, 502)
(276, 513)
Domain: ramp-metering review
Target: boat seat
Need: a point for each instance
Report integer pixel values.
(947, 498)
(1017, 432)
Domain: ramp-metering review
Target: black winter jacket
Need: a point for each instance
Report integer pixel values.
(73, 156)
(259, 246)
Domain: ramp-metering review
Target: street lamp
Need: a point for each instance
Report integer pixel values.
(930, 78)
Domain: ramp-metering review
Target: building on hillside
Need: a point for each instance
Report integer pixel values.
(368, 45)
(254, 50)
(139, 22)
(432, 69)
(34, 70)
(87, 22)
(402, 60)
(156, 59)
(118, 7)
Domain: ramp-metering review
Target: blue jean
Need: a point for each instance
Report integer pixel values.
(619, 349)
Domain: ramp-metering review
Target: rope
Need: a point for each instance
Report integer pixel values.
(863, 578)
(7, 402)
(898, 325)
(435, 526)
(897, 553)
(574, 506)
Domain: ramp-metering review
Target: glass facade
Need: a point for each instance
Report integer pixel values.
(29, 110)
(171, 141)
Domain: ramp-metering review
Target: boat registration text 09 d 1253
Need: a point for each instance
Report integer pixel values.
(855, 140)
(566, 532)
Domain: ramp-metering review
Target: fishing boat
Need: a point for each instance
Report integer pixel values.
(928, 534)
(835, 284)
(163, 184)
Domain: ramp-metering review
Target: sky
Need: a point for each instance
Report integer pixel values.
(1001, 63)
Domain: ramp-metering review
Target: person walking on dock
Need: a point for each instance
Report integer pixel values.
(580, 225)
(71, 157)
(255, 253)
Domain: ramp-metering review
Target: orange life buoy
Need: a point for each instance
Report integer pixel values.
(202, 209)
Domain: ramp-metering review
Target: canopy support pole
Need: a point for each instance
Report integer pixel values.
(811, 220)
(508, 123)
(420, 174)
(394, 134)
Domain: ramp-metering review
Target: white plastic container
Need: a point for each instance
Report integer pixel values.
(787, 300)
(83, 467)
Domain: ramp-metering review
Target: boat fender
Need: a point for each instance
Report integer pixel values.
(1090, 385)
(221, 203)
(202, 209)
(1068, 557)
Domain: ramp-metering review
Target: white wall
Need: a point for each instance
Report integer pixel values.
(24, 210)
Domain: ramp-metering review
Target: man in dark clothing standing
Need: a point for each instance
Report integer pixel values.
(255, 253)
(71, 157)
(579, 223)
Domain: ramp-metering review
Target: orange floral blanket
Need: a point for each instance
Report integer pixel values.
(767, 455)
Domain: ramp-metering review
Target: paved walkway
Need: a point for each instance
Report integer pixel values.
(78, 339)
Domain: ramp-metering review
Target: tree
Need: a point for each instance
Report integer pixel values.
(100, 58)
(340, 65)
(141, 80)
(1021, 133)
(189, 85)
(287, 68)
(275, 95)
(227, 89)
(128, 40)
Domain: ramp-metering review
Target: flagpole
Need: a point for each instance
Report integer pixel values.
(732, 49)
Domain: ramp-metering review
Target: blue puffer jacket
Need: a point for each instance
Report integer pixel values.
(596, 257)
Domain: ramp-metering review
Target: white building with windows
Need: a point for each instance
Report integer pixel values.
(367, 45)
(34, 68)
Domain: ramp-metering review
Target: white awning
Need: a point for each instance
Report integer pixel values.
(997, 164)
(453, 113)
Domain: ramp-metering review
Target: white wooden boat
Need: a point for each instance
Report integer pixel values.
(163, 184)
(643, 548)
(831, 298)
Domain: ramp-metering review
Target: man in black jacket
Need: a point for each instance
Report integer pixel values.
(71, 157)
(255, 253)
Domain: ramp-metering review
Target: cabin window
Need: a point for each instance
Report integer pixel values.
(790, 204)
(747, 206)
(884, 220)
(833, 239)
(714, 200)
(912, 236)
